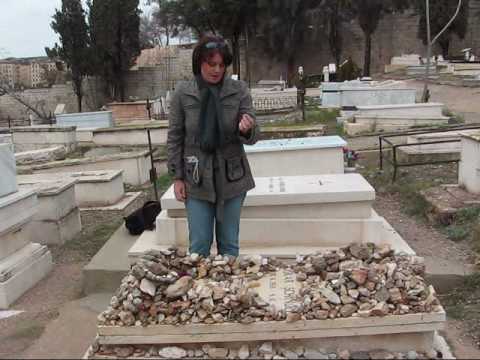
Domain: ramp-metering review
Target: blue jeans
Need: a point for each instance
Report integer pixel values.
(201, 219)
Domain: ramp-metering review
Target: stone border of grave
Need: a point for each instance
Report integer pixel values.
(338, 293)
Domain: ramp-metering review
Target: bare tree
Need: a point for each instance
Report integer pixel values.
(37, 108)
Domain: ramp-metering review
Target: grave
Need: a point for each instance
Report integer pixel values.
(86, 120)
(8, 183)
(393, 123)
(131, 135)
(134, 164)
(420, 109)
(6, 139)
(395, 117)
(443, 151)
(97, 193)
(469, 170)
(361, 93)
(289, 215)
(22, 263)
(297, 156)
(57, 220)
(265, 301)
(41, 155)
(29, 138)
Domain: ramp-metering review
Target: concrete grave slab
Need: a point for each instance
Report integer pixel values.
(92, 188)
(135, 165)
(41, 155)
(298, 156)
(56, 232)
(55, 198)
(14, 240)
(86, 120)
(313, 196)
(43, 136)
(16, 209)
(22, 270)
(8, 183)
(412, 109)
(6, 139)
(469, 171)
(271, 233)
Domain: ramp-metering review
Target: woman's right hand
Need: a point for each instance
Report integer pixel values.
(180, 191)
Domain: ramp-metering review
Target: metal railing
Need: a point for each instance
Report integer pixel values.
(395, 162)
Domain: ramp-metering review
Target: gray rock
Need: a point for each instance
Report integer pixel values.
(382, 295)
(348, 310)
(179, 288)
(412, 355)
(148, 287)
(330, 295)
(172, 352)
(124, 351)
(217, 353)
(243, 352)
(266, 349)
(360, 355)
(315, 354)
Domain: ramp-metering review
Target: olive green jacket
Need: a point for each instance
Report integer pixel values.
(230, 161)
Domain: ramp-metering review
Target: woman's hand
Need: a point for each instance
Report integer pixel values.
(179, 189)
(246, 124)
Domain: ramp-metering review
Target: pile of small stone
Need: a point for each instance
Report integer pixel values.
(266, 350)
(171, 287)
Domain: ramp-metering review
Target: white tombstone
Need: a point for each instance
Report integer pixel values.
(469, 172)
(297, 156)
(8, 170)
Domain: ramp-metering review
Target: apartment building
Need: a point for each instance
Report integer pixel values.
(8, 73)
(25, 72)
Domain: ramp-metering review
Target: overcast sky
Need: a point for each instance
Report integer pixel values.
(25, 27)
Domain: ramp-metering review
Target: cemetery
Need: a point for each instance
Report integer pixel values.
(359, 240)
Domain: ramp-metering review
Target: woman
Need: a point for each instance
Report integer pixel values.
(210, 119)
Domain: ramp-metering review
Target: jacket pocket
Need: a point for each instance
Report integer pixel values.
(193, 172)
(235, 168)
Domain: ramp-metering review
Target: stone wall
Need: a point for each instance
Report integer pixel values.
(47, 99)
(154, 81)
(396, 35)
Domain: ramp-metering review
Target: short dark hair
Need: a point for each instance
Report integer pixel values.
(206, 48)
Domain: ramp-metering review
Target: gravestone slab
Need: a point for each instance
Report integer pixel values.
(87, 120)
(16, 209)
(297, 156)
(469, 171)
(314, 196)
(8, 171)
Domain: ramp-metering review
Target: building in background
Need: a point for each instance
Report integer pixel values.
(26, 72)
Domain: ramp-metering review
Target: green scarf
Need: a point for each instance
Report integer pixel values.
(210, 125)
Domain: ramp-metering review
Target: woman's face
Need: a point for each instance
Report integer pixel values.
(213, 69)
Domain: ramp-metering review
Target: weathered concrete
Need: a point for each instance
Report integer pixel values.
(469, 171)
(107, 268)
(289, 157)
(86, 120)
(135, 165)
(8, 183)
(41, 155)
(39, 137)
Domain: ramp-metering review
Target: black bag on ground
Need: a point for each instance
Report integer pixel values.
(143, 218)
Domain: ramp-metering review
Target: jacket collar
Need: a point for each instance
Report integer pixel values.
(228, 89)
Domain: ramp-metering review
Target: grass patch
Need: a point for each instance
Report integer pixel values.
(464, 226)
(84, 246)
(313, 116)
(164, 182)
(463, 304)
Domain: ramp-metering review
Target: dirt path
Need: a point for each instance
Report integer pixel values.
(41, 305)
